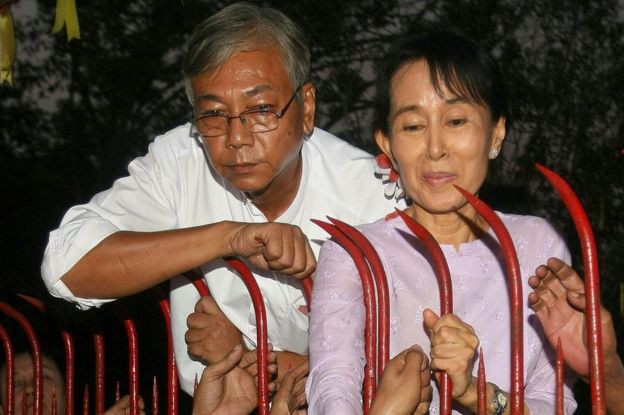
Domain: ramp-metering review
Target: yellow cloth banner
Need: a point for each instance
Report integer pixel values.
(7, 46)
(66, 15)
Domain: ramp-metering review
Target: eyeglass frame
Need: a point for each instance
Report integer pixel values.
(280, 114)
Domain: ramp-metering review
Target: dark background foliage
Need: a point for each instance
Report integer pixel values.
(80, 111)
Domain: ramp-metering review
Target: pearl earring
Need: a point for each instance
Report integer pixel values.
(493, 154)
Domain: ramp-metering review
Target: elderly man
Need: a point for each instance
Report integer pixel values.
(243, 179)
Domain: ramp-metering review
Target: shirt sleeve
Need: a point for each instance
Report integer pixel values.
(138, 202)
(337, 321)
(539, 390)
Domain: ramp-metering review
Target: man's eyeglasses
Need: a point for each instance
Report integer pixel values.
(216, 123)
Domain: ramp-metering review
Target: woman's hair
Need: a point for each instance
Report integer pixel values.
(245, 27)
(455, 62)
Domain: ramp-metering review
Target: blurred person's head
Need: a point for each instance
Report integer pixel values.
(24, 384)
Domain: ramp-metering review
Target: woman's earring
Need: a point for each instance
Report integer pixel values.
(493, 154)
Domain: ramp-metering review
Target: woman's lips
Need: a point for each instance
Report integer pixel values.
(438, 178)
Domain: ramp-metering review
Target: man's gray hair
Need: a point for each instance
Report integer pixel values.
(245, 27)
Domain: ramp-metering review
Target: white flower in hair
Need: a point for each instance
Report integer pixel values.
(389, 177)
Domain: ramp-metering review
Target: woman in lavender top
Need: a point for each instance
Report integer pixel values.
(440, 119)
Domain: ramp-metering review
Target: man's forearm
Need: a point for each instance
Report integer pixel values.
(126, 263)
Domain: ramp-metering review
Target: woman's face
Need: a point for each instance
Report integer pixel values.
(437, 141)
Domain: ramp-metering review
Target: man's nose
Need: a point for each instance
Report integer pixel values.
(237, 134)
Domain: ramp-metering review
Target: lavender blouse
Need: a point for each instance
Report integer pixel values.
(480, 297)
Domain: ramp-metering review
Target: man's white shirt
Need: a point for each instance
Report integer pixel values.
(173, 186)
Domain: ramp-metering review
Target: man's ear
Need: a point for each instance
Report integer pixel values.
(383, 142)
(308, 93)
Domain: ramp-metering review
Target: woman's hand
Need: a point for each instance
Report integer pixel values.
(453, 347)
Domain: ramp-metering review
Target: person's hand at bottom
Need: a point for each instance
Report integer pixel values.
(405, 386)
(122, 407)
(290, 398)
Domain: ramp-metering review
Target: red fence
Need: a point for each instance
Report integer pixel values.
(377, 317)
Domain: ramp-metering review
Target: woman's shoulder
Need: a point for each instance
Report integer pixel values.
(529, 228)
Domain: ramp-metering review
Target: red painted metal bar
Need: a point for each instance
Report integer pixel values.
(481, 386)
(307, 289)
(155, 397)
(383, 294)
(172, 374)
(100, 372)
(261, 326)
(10, 369)
(133, 359)
(515, 287)
(133, 362)
(70, 356)
(445, 287)
(559, 378)
(35, 349)
(592, 286)
(198, 281)
(368, 290)
(70, 370)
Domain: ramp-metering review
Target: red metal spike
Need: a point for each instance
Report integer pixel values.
(54, 408)
(261, 325)
(445, 287)
(172, 374)
(36, 352)
(100, 374)
(592, 285)
(368, 290)
(481, 386)
(382, 291)
(559, 378)
(155, 397)
(515, 287)
(85, 401)
(10, 369)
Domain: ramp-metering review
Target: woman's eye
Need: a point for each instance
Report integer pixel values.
(456, 122)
